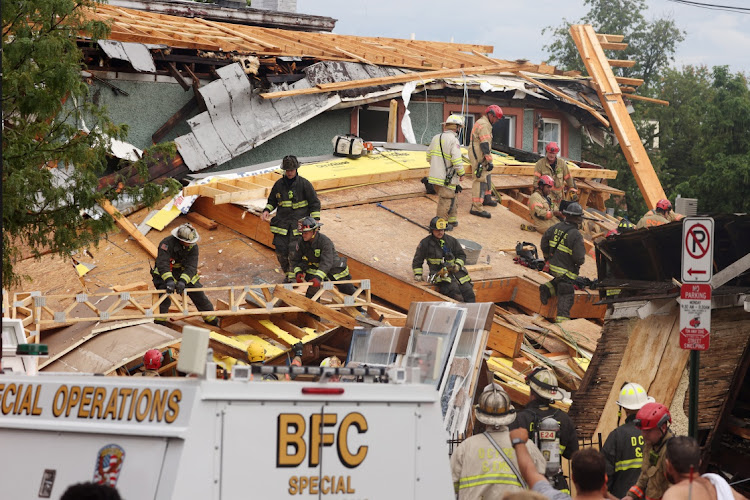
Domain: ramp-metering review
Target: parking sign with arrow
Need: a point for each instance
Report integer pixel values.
(697, 249)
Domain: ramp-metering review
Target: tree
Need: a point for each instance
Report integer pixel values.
(651, 44)
(51, 163)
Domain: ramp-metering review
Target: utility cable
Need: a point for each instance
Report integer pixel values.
(712, 6)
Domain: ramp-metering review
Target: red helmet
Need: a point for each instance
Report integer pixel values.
(652, 416)
(552, 147)
(664, 205)
(496, 110)
(152, 359)
(546, 179)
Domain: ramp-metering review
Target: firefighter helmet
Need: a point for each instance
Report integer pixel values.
(664, 205)
(152, 359)
(552, 147)
(438, 224)
(652, 416)
(633, 396)
(495, 407)
(455, 120)
(186, 234)
(255, 352)
(624, 226)
(546, 180)
(496, 111)
(308, 223)
(290, 162)
(544, 383)
(574, 209)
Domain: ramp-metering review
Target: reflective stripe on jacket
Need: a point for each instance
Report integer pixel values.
(445, 160)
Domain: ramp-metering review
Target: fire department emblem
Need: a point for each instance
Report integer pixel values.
(108, 465)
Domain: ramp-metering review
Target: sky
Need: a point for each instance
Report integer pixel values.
(713, 37)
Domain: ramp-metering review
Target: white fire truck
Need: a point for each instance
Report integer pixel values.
(202, 438)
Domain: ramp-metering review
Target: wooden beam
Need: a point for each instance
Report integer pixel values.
(129, 228)
(731, 271)
(647, 99)
(299, 300)
(172, 68)
(621, 63)
(613, 45)
(392, 119)
(176, 118)
(202, 221)
(629, 81)
(610, 38)
(566, 97)
(392, 80)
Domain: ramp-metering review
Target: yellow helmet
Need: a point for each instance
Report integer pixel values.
(256, 353)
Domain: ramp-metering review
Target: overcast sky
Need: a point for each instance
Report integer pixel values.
(514, 28)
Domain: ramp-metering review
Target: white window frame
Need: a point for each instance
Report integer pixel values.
(541, 143)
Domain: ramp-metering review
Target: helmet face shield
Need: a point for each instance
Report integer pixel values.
(307, 224)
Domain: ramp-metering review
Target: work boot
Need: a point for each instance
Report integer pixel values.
(488, 201)
(528, 227)
(455, 223)
(544, 294)
(483, 213)
(449, 227)
(214, 321)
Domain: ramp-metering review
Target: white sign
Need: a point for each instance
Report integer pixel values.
(697, 249)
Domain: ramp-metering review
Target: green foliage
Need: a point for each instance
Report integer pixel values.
(43, 102)
(651, 44)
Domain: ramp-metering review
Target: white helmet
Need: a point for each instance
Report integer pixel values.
(633, 396)
(544, 383)
(186, 234)
(455, 120)
(495, 407)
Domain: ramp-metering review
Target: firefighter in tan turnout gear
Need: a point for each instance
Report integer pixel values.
(485, 465)
(293, 197)
(177, 269)
(542, 211)
(662, 214)
(314, 259)
(557, 169)
(447, 169)
(562, 246)
(480, 157)
(445, 258)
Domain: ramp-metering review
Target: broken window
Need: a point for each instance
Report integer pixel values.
(373, 123)
(549, 130)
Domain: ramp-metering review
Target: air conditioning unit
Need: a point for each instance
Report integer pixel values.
(686, 206)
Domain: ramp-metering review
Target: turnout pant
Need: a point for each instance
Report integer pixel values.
(563, 288)
(201, 301)
(446, 207)
(457, 291)
(283, 244)
(480, 188)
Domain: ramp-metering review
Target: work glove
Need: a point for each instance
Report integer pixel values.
(443, 272)
(546, 267)
(169, 285)
(490, 166)
(297, 349)
(488, 159)
(315, 282)
(180, 287)
(418, 277)
(456, 268)
(459, 188)
(300, 277)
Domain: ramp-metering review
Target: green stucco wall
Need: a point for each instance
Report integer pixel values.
(422, 113)
(528, 130)
(574, 143)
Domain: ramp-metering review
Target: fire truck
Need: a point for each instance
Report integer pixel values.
(200, 437)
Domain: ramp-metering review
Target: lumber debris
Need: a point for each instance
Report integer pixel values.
(129, 228)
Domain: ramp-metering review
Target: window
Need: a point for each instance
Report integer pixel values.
(503, 131)
(373, 124)
(464, 136)
(549, 131)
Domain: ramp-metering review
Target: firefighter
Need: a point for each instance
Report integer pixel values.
(557, 169)
(625, 226)
(542, 211)
(480, 157)
(623, 448)
(314, 259)
(445, 259)
(562, 246)
(293, 197)
(485, 465)
(447, 169)
(178, 257)
(151, 363)
(256, 354)
(653, 420)
(561, 438)
(662, 214)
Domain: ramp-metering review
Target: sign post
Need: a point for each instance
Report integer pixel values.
(695, 301)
